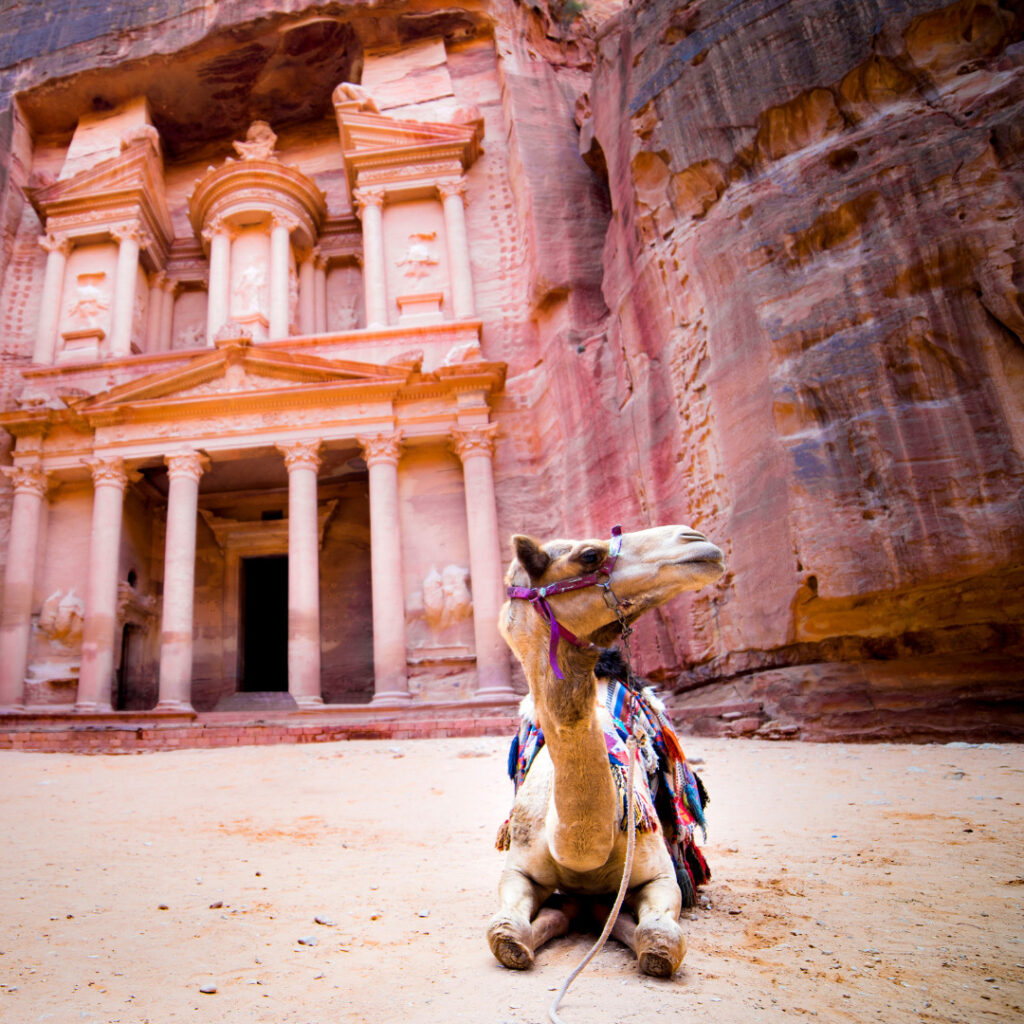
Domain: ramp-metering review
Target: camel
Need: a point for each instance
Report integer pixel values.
(564, 833)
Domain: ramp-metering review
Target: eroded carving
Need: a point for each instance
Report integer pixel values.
(259, 144)
(61, 618)
(446, 597)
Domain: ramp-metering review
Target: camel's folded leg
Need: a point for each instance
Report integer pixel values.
(657, 939)
(511, 935)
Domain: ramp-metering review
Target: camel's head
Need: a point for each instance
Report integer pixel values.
(652, 566)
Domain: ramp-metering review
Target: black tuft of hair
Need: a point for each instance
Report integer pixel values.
(610, 664)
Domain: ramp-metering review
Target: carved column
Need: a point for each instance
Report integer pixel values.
(370, 203)
(307, 319)
(303, 460)
(170, 290)
(475, 447)
(218, 234)
(320, 292)
(155, 311)
(94, 681)
(129, 238)
(280, 251)
(19, 580)
(457, 241)
(390, 680)
(57, 249)
(183, 472)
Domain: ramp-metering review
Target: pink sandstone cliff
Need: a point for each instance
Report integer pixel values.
(813, 346)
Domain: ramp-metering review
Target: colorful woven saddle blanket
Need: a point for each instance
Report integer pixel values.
(673, 796)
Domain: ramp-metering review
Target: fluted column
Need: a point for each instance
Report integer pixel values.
(475, 447)
(19, 581)
(307, 307)
(303, 460)
(183, 471)
(129, 239)
(320, 292)
(96, 676)
(218, 234)
(457, 240)
(370, 203)
(57, 248)
(280, 250)
(170, 289)
(390, 679)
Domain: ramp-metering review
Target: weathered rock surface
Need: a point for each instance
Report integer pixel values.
(814, 270)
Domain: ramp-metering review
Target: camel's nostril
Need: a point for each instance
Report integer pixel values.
(687, 536)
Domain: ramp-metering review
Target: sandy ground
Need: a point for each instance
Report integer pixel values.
(851, 883)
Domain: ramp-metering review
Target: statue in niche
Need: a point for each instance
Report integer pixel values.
(446, 597)
(259, 144)
(190, 336)
(61, 618)
(89, 302)
(343, 314)
(249, 289)
(418, 260)
(349, 92)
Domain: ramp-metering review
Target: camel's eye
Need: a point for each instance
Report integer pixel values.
(589, 557)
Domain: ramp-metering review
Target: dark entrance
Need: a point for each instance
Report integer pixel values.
(264, 588)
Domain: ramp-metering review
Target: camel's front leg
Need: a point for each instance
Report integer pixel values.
(511, 935)
(655, 937)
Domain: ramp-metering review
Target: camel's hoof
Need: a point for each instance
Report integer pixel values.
(656, 964)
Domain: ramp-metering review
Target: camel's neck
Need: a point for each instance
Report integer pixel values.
(584, 815)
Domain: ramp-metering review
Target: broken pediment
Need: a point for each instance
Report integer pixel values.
(91, 203)
(381, 149)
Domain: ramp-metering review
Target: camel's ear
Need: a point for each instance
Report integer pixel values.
(533, 558)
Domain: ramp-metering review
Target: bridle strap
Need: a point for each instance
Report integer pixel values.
(538, 597)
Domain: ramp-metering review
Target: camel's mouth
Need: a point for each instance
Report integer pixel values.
(702, 552)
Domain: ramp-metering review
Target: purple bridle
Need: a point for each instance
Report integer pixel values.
(538, 597)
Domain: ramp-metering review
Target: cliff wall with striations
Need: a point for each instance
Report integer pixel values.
(813, 269)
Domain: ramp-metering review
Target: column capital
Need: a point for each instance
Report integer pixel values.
(169, 285)
(447, 189)
(56, 243)
(131, 232)
(369, 196)
(27, 479)
(319, 259)
(378, 448)
(217, 226)
(477, 440)
(186, 464)
(283, 220)
(108, 471)
(303, 454)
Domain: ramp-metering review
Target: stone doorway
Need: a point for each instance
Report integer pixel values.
(264, 624)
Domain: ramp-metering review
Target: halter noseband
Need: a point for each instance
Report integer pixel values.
(538, 597)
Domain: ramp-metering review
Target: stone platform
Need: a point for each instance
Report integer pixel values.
(133, 732)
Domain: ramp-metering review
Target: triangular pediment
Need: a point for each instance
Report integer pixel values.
(238, 371)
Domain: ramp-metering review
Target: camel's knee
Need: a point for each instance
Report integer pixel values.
(659, 946)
